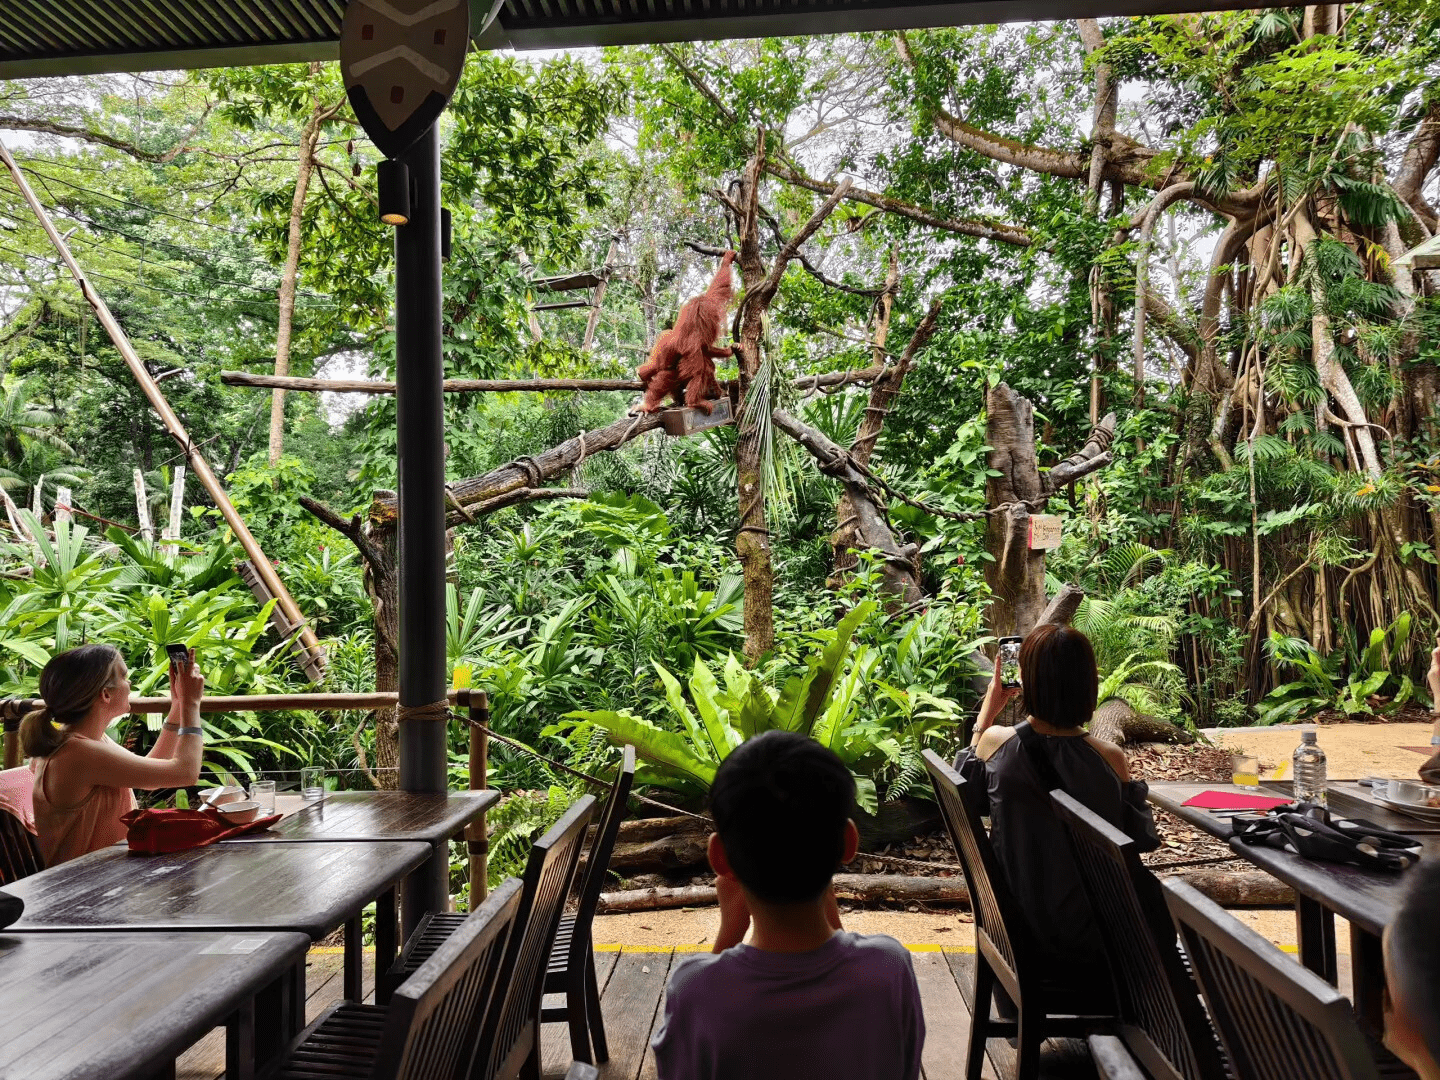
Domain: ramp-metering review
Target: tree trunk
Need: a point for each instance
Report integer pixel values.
(752, 536)
(1017, 575)
(309, 136)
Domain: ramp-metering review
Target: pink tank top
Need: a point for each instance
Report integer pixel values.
(67, 832)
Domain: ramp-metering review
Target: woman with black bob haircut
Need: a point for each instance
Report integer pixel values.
(1059, 684)
(83, 778)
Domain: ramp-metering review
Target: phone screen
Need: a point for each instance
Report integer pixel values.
(1010, 661)
(179, 654)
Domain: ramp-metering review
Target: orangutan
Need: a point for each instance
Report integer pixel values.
(683, 358)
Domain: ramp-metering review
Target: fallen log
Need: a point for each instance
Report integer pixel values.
(1243, 888)
(652, 828)
(677, 851)
(1239, 888)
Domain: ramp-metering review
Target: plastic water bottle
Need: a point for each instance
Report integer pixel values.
(1309, 762)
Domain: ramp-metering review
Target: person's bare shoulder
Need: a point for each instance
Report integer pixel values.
(1113, 755)
(992, 739)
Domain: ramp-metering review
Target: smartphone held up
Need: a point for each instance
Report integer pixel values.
(179, 655)
(1010, 661)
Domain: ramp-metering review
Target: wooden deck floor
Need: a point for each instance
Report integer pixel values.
(632, 985)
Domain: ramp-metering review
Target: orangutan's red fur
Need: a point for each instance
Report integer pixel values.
(684, 357)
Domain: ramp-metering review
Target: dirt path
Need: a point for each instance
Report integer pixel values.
(1352, 751)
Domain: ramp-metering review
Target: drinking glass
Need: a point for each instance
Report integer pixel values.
(312, 783)
(1245, 770)
(263, 792)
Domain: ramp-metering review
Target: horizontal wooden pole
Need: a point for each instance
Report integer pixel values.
(500, 386)
(452, 386)
(240, 702)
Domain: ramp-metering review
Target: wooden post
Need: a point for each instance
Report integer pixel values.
(12, 742)
(177, 504)
(477, 835)
(142, 509)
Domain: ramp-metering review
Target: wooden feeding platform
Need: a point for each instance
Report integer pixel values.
(679, 423)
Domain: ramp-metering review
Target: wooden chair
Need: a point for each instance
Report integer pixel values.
(509, 1043)
(1277, 1020)
(572, 960)
(1005, 951)
(19, 852)
(1162, 1021)
(427, 1032)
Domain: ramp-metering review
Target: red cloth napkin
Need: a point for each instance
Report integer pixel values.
(160, 832)
(1234, 800)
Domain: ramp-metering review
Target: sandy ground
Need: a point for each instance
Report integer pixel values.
(1352, 751)
(694, 928)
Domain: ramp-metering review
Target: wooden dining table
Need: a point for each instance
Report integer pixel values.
(1365, 898)
(126, 1004)
(312, 888)
(375, 815)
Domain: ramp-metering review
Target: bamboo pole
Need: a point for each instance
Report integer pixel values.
(826, 380)
(193, 457)
(477, 833)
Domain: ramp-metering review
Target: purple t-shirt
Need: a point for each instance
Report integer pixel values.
(849, 1010)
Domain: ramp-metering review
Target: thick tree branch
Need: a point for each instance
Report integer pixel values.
(771, 283)
(529, 473)
(700, 84)
(1126, 159)
(71, 131)
(981, 228)
(1420, 157)
(1094, 455)
(353, 530)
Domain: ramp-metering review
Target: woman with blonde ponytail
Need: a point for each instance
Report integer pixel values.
(83, 779)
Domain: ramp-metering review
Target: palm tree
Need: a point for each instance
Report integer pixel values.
(25, 428)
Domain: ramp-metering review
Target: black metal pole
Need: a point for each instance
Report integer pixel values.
(420, 448)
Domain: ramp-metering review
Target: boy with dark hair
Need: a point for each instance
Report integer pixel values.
(1412, 975)
(806, 997)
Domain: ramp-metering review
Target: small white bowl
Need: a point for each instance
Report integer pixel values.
(219, 796)
(239, 813)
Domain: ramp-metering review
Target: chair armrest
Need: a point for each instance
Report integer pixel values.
(580, 1071)
(1113, 1060)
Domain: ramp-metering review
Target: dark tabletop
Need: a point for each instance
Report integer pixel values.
(1368, 898)
(381, 815)
(312, 888)
(120, 1005)
(1345, 798)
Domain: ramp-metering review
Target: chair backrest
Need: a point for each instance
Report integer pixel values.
(598, 860)
(1000, 930)
(1277, 1020)
(1161, 1018)
(430, 1027)
(504, 1038)
(19, 853)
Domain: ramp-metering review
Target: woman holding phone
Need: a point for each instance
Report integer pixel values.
(83, 778)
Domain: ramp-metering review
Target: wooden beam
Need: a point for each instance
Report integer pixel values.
(828, 380)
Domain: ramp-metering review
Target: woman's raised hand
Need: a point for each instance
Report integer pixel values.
(996, 698)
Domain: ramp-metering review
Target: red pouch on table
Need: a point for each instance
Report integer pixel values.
(160, 832)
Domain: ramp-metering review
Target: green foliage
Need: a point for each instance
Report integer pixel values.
(1376, 682)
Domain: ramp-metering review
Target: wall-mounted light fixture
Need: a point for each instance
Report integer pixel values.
(393, 181)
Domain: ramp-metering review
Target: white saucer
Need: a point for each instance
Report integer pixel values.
(1424, 813)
